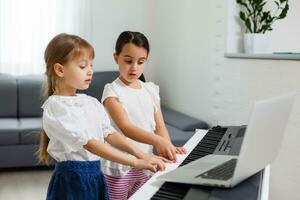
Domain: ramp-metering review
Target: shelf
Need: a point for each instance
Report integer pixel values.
(263, 56)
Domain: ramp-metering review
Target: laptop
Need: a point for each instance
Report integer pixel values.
(259, 147)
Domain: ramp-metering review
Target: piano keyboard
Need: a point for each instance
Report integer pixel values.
(177, 191)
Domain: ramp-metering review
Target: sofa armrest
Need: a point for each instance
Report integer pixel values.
(182, 121)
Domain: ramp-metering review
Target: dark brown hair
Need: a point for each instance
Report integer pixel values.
(61, 49)
(135, 38)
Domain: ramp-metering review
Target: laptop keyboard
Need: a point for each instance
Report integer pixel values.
(221, 172)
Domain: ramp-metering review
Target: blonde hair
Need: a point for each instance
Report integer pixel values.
(61, 49)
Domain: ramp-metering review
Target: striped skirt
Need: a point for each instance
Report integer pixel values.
(77, 180)
(121, 188)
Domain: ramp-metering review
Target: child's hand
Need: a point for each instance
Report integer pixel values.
(150, 156)
(180, 150)
(150, 162)
(166, 149)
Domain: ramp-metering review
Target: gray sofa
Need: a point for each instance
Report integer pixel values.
(20, 117)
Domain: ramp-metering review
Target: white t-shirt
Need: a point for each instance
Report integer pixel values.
(140, 106)
(70, 121)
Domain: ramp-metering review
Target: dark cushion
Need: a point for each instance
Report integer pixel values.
(179, 137)
(30, 95)
(9, 131)
(182, 121)
(98, 82)
(8, 96)
(30, 130)
(19, 156)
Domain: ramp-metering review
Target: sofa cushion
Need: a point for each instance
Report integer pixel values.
(9, 131)
(30, 95)
(182, 121)
(98, 82)
(8, 94)
(19, 156)
(179, 137)
(30, 130)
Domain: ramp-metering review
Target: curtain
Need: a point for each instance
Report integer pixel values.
(26, 27)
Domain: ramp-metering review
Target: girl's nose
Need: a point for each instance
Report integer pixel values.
(134, 66)
(91, 71)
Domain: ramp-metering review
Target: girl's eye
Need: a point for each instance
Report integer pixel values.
(142, 61)
(128, 61)
(82, 67)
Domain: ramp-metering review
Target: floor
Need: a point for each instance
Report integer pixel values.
(24, 184)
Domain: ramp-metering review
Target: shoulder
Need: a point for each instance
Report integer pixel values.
(114, 89)
(54, 107)
(65, 102)
(52, 102)
(96, 102)
(152, 87)
(115, 83)
(111, 87)
(153, 90)
(91, 99)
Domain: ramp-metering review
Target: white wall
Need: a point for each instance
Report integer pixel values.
(196, 79)
(112, 17)
(188, 58)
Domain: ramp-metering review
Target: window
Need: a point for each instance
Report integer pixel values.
(26, 27)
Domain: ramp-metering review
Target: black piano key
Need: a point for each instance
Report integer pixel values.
(196, 156)
(217, 132)
(172, 191)
(214, 136)
(184, 163)
(216, 139)
(212, 146)
(219, 129)
(205, 149)
(209, 144)
(174, 186)
(204, 146)
(173, 194)
(199, 153)
(189, 160)
(166, 196)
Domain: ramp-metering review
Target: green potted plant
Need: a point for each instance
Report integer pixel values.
(258, 22)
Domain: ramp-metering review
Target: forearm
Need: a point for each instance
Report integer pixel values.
(121, 119)
(107, 152)
(163, 132)
(161, 128)
(140, 135)
(120, 142)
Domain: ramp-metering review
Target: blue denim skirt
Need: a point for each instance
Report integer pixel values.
(77, 180)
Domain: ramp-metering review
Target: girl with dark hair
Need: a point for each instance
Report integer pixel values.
(134, 107)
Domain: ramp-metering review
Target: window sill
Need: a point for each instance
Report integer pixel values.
(263, 56)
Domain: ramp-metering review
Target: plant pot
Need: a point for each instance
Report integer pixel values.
(257, 43)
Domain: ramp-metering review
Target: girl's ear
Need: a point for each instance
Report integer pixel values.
(58, 69)
(116, 57)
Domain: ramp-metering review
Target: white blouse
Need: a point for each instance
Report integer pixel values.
(140, 106)
(70, 122)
